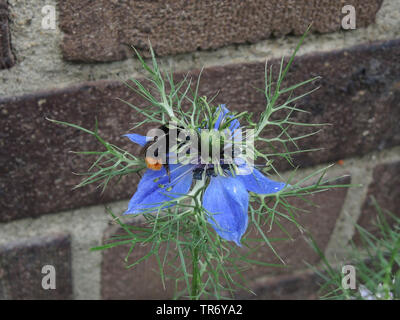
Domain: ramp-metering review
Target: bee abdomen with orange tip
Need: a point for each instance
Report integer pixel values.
(153, 163)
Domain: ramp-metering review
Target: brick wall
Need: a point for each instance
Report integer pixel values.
(72, 73)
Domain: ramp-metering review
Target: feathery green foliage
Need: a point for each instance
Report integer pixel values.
(187, 250)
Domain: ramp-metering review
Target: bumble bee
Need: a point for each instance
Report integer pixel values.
(154, 162)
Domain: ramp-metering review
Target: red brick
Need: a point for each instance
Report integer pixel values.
(385, 189)
(298, 286)
(359, 96)
(21, 264)
(142, 281)
(35, 161)
(104, 30)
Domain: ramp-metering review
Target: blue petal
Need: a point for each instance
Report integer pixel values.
(258, 183)
(156, 187)
(221, 117)
(139, 139)
(227, 199)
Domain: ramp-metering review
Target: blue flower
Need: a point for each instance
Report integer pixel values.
(225, 199)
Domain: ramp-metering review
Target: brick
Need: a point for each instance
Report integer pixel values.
(21, 264)
(35, 154)
(359, 95)
(318, 220)
(104, 30)
(385, 189)
(6, 55)
(141, 282)
(298, 286)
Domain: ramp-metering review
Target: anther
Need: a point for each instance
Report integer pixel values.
(225, 166)
(198, 173)
(210, 172)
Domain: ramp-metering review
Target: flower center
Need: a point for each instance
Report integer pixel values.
(210, 170)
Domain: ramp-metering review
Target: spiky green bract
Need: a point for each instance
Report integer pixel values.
(111, 163)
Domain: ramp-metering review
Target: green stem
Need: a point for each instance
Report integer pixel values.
(196, 274)
(196, 277)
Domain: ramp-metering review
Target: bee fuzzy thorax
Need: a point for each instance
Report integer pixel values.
(153, 163)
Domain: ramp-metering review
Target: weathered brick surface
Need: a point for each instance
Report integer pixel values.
(143, 280)
(35, 161)
(104, 30)
(297, 286)
(359, 96)
(21, 266)
(6, 55)
(385, 188)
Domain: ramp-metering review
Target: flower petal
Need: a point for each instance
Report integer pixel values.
(157, 187)
(258, 183)
(227, 199)
(139, 139)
